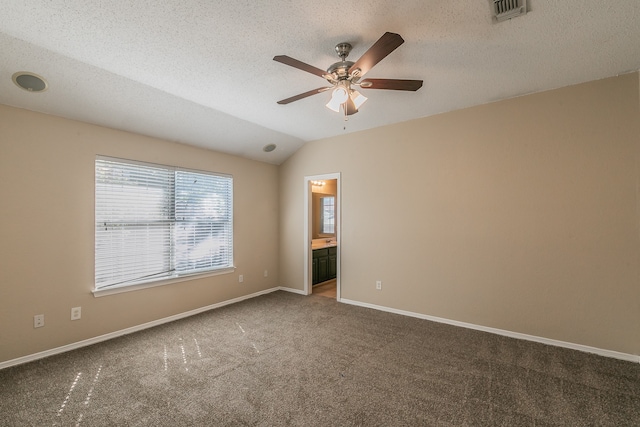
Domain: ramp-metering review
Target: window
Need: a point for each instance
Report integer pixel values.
(157, 222)
(327, 210)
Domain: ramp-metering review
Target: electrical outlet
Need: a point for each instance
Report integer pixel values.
(378, 284)
(38, 321)
(266, 273)
(76, 313)
(241, 278)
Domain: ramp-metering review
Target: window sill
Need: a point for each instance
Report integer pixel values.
(136, 287)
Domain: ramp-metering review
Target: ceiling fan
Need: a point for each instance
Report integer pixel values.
(344, 75)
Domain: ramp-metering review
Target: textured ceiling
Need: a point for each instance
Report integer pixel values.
(201, 71)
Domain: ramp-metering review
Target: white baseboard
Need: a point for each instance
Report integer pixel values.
(111, 335)
(587, 349)
(292, 290)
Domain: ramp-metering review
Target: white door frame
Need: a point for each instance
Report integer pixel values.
(307, 229)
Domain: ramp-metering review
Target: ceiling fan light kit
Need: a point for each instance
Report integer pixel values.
(339, 97)
(344, 75)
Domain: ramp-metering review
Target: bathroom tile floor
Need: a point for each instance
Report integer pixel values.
(327, 289)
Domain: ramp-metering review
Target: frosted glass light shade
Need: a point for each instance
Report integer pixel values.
(340, 94)
(358, 99)
(333, 105)
(338, 97)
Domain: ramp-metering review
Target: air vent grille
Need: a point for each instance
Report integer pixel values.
(507, 9)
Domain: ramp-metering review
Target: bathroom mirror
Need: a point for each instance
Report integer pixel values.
(327, 216)
(324, 212)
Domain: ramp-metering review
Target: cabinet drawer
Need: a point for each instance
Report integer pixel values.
(333, 250)
(320, 253)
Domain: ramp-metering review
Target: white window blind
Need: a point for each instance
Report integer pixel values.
(158, 222)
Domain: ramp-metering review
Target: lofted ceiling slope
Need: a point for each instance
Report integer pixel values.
(201, 72)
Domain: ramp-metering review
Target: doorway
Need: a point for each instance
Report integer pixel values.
(322, 231)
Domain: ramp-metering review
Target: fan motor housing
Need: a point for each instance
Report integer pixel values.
(340, 69)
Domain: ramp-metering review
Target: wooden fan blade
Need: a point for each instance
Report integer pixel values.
(391, 84)
(351, 107)
(287, 60)
(303, 95)
(376, 53)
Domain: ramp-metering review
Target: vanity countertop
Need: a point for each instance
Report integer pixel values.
(322, 245)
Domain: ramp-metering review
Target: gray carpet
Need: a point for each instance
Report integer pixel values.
(286, 359)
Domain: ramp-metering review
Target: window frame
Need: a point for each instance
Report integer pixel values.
(143, 283)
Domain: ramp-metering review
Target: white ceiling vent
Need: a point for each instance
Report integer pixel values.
(507, 9)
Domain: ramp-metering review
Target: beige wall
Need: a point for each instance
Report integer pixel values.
(47, 232)
(520, 215)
